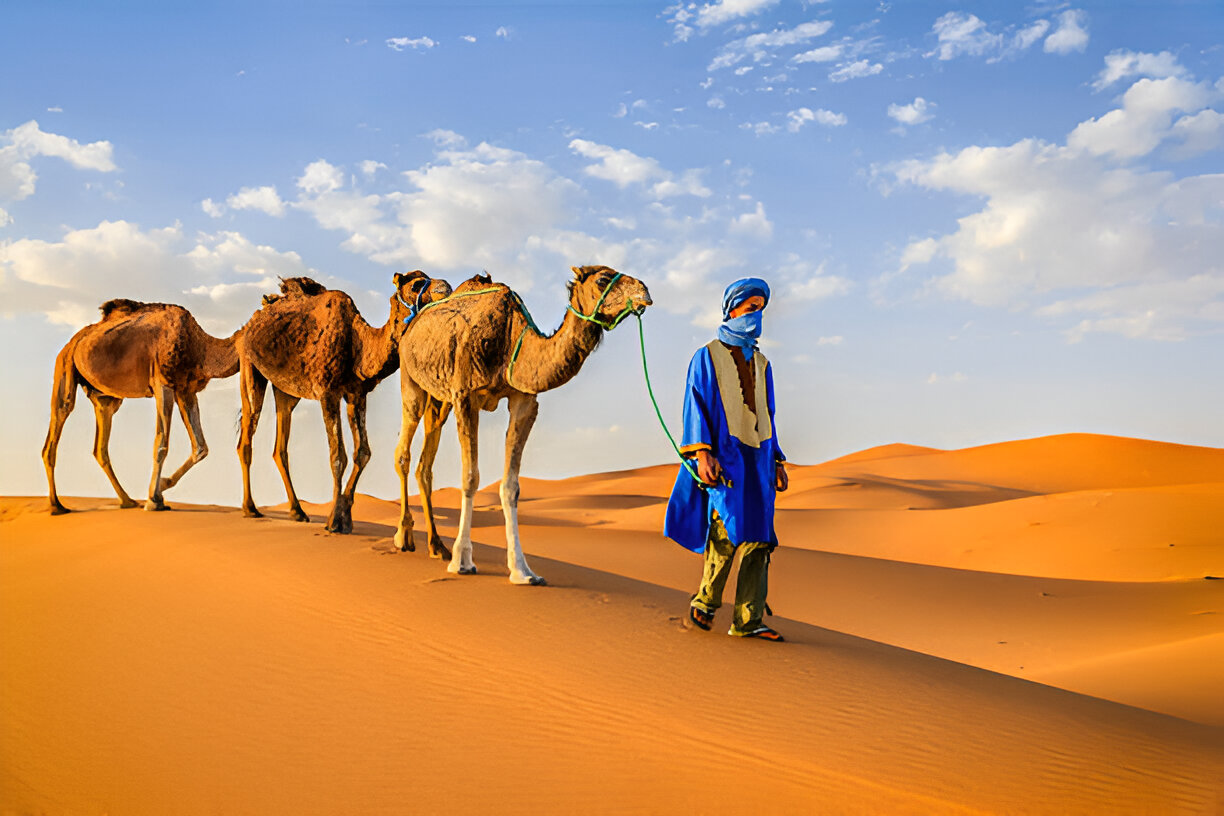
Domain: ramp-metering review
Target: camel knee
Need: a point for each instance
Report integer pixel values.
(361, 457)
(509, 491)
(198, 454)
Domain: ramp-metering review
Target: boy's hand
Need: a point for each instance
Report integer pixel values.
(708, 468)
(781, 481)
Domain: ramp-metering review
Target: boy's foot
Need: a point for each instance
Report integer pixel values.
(701, 618)
(760, 633)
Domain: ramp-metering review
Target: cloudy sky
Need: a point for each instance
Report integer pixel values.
(982, 221)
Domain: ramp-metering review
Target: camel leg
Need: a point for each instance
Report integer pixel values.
(339, 461)
(285, 403)
(254, 387)
(435, 418)
(63, 400)
(356, 407)
(164, 397)
(523, 411)
(189, 410)
(104, 410)
(412, 402)
(467, 419)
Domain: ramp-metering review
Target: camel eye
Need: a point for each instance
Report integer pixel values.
(604, 279)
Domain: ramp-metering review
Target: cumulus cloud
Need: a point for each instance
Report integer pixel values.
(1143, 121)
(320, 177)
(855, 70)
(263, 199)
(218, 277)
(1071, 34)
(415, 43)
(1124, 64)
(914, 113)
(1075, 234)
(798, 118)
(24, 143)
(826, 53)
(684, 16)
(760, 47)
(212, 208)
(755, 224)
(369, 167)
(960, 34)
(625, 168)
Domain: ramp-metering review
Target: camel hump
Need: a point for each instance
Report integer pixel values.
(123, 307)
(301, 286)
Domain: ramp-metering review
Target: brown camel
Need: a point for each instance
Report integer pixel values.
(310, 342)
(137, 350)
(482, 349)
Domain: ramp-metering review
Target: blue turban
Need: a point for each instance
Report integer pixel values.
(740, 291)
(744, 330)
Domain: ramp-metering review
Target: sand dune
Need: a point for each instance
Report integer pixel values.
(196, 661)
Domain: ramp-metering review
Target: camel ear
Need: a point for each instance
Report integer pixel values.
(577, 270)
(398, 279)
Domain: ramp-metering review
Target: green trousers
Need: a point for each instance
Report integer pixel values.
(753, 584)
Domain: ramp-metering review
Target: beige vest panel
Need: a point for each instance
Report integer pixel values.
(743, 424)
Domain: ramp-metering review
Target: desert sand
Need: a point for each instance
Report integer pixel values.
(1026, 627)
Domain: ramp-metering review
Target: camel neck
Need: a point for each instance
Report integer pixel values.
(548, 362)
(221, 355)
(376, 355)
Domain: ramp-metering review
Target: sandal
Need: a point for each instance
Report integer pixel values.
(701, 618)
(760, 633)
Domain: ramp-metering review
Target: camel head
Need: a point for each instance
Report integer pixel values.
(602, 293)
(412, 291)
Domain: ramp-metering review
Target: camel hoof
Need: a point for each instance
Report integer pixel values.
(128, 504)
(252, 512)
(438, 550)
(156, 507)
(297, 514)
(460, 569)
(404, 542)
(528, 580)
(59, 510)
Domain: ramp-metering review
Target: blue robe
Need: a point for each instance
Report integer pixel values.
(746, 506)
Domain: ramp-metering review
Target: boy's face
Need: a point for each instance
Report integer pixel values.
(753, 304)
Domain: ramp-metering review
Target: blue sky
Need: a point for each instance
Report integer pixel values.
(982, 221)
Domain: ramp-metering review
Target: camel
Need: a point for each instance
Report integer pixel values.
(310, 342)
(484, 348)
(137, 350)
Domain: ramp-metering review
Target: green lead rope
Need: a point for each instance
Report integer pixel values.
(650, 390)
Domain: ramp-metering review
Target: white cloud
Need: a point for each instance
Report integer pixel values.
(855, 70)
(835, 340)
(957, 377)
(1125, 64)
(798, 118)
(416, 44)
(20, 145)
(1027, 37)
(55, 109)
(369, 167)
(621, 111)
(320, 177)
(912, 114)
(760, 47)
(716, 102)
(219, 279)
(754, 224)
(5, 218)
(625, 168)
(502, 33)
(826, 53)
(212, 208)
(960, 33)
(725, 11)
(468, 38)
(760, 128)
(446, 138)
(264, 199)
(1071, 34)
(1144, 119)
(647, 125)
(1071, 232)
(1200, 133)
